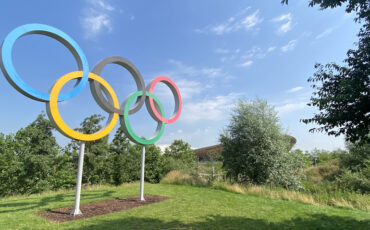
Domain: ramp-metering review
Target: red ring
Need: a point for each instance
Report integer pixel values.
(168, 82)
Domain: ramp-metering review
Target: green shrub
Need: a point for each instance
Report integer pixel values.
(355, 181)
(180, 156)
(255, 149)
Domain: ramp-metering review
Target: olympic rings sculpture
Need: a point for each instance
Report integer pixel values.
(98, 86)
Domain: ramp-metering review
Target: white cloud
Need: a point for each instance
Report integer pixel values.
(271, 48)
(290, 46)
(185, 71)
(101, 4)
(295, 89)
(247, 63)
(96, 18)
(252, 20)
(290, 107)
(235, 23)
(255, 52)
(222, 51)
(214, 109)
(212, 72)
(188, 78)
(188, 88)
(287, 23)
(325, 33)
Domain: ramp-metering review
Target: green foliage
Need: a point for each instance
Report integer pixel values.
(155, 163)
(254, 146)
(358, 155)
(355, 181)
(36, 139)
(305, 158)
(32, 162)
(179, 156)
(126, 160)
(323, 173)
(287, 171)
(96, 160)
(342, 93)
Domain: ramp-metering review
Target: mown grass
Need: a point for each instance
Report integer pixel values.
(189, 207)
(336, 198)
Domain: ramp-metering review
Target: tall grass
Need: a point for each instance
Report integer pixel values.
(322, 197)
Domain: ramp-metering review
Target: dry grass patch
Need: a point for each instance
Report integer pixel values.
(348, 200)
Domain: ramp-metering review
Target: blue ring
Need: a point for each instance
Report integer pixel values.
(16, 81)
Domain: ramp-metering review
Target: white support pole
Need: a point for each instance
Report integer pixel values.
(142, 174)
(76, 210)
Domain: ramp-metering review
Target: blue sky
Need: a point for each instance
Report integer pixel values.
(215, 51)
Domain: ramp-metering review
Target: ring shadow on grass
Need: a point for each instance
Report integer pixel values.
(315, 221)
(51, 199)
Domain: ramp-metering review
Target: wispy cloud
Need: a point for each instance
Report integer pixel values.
(234, 23)
(96, 18)
(188, 78)
(214, 109)
(102, 4)
(246, 64)
(325, 33)
(295, 89)
(245, 57)
(290, 107)
(271, 48)
(251, 20)
(255, 52)
(290, 46)
(286, 20)
(182, 70)
(222, 51)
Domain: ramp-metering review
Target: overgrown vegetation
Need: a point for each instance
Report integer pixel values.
(32, 162)
(257, 159)
(338, 198)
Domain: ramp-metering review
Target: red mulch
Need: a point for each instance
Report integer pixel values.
(100, 208)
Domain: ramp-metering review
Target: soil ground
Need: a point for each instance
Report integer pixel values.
(99, 208)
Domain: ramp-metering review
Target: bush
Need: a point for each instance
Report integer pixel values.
(355, 181)
(154, 164)
(255, 148)
(320, 173)
(179, 156)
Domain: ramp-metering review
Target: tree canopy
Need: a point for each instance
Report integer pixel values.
(255, 148)
(342, 92)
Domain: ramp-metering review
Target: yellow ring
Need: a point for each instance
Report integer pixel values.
(52, 107)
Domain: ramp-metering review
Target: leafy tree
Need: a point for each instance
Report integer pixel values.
(97, 168)
(154, 164)
(358, 157)
(253, 143)
(126, 160)
(179, 155)
(342, 93)
(10, 166)
(305, 158)
(35, 147)
(37, 138)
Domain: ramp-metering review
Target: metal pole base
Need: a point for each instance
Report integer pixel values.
(141, 198)
(76, 210)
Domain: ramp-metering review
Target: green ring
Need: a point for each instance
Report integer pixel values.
(127, 125)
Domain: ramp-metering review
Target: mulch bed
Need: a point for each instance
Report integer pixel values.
(100, 208)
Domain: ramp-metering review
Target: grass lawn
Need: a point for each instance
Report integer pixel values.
(188, 208)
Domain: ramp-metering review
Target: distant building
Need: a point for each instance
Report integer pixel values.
(215, 151)
(209, 152)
